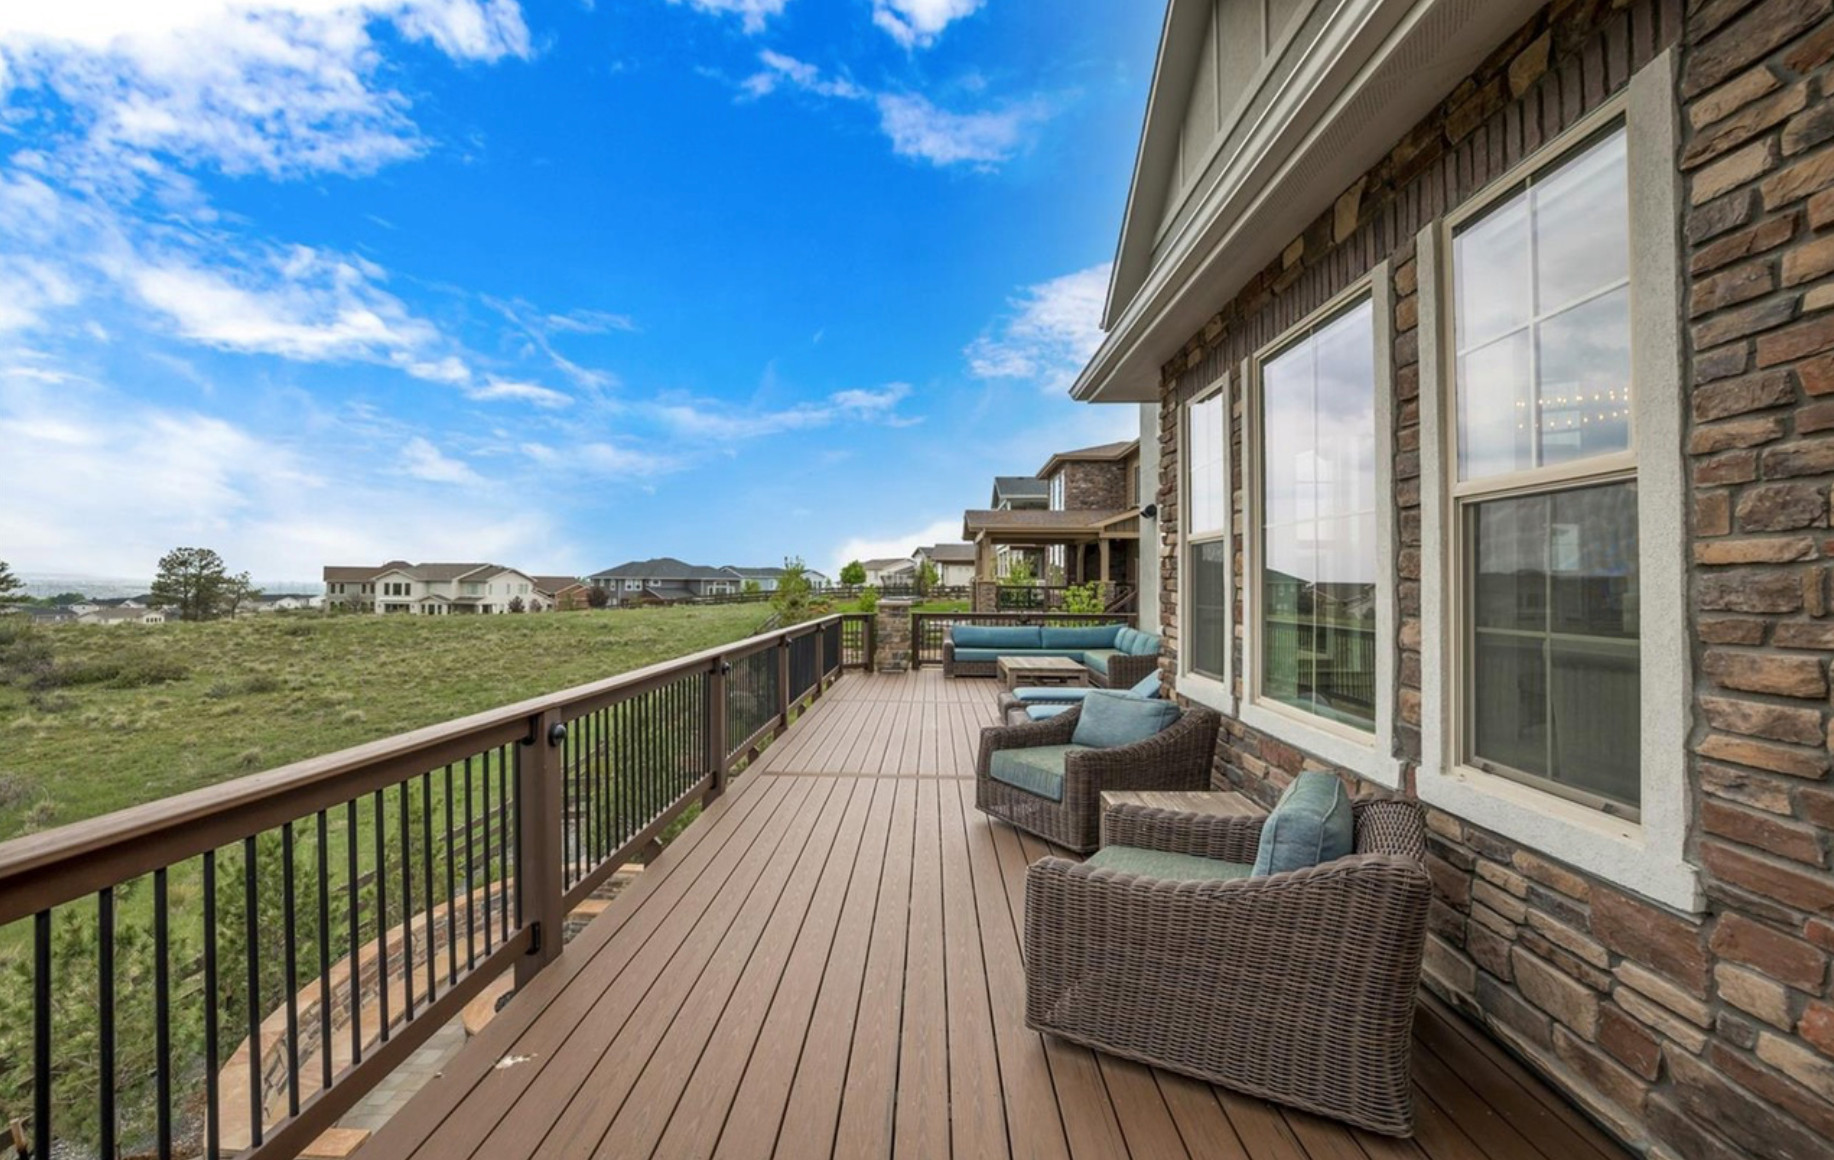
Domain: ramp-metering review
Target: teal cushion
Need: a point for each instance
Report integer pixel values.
(1148, 686)
(995, 636)
(1098, 658)
(1135, 643)
(1159, 864)
(1046, 712)
(1081, 636)
(1111, 718)
(1312, 824)
(1036, 770)
(1052, 694)
(994, 654)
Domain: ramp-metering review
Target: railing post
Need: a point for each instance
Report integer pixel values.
(783, 682)
(821, 660)
(872, 641)
(719, 741)
(540, 841)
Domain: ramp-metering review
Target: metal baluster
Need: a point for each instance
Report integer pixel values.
(426, 865)
(289, 903)
(451, 889)
(324, 951)
(105, 1019)
(407, 900)
(213, 1114)
(162, 1015)
(490, 940)
(382, 981)
(471, 880)
(355, 897)
(251, 924)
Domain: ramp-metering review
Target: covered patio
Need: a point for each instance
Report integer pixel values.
(829, 962)
(1096, 545)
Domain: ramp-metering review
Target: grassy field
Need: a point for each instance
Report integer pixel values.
(139, 713)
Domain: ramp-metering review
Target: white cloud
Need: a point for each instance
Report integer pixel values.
(281, 87)
(886, 546)
(493, 390)
(711, 420)
(779, 69)
(917, 23)
(28, 287)
(751, 13)
(1053, 331)
(915, 126)
(919, 129)
(100, 484)
(422, 460)
(298, 303)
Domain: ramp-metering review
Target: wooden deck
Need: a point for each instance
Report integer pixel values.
(829, 963)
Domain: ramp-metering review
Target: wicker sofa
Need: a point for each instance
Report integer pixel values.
(1177, 757)
(1115, 654)
(1296, 987)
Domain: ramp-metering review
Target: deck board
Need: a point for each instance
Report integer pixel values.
(830, 962)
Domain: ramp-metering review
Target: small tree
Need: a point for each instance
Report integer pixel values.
(192, 580)
(516, 605)
(791, 600)
(597, 597)
(854, 574)
(1083, 597)
(751, 588)
(1019, 573)
(12, 588)
(238, 593)
(869, 599)
(927, 577)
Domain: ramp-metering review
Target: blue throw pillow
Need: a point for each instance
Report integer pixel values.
(1147, 687)
(1313, 824)
(1112, 718)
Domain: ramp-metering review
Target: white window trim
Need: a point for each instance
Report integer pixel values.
(1369, 755)
(1649, 856)
(1206, 690)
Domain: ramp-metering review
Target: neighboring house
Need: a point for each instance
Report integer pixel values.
(283, 602)
(1488, 349)
(400, 588)
(765, 578)
(896, 571)
(1076, 521)
(663, 580)
(954, 563)
(353, 589)
(39, 614)
(123, 614)
(1019, 492)
(563, 593)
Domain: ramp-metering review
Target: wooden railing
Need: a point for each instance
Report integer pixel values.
(260, 954)
(930, 629)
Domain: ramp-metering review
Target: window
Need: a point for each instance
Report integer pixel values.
(1318, 561)
(1057, 492)
(1544, 483)
(1206, 537)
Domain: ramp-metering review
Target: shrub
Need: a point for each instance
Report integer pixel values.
(869, 600)
(145, 670)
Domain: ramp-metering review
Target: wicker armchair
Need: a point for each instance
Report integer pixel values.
(1177, 757)
(1298, 988)
(1125, 671)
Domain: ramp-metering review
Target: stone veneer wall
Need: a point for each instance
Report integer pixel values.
(1707, 1035)
(1091, 486)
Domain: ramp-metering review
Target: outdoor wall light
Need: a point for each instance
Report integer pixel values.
(1150, 512)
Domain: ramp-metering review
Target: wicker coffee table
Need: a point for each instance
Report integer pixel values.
(1016, 671)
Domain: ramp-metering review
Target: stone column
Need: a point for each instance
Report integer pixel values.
(893, 636)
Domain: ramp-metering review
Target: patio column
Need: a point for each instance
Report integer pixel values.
(1105, 577)
(892, 631)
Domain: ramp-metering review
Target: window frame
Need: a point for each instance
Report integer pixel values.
(1646, 854)
(1466, 495)
(1368, 753)
(1211, 691)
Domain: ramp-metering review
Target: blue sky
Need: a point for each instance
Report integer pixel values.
(556, 284)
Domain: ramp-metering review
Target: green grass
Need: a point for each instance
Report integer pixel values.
(257, 693)
(925, 606)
